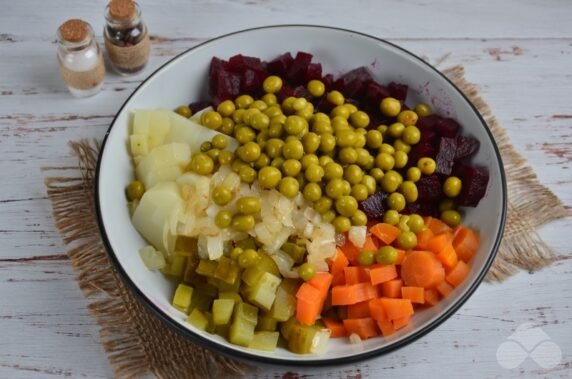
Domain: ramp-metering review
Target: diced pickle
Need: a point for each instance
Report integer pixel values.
(264, 340)
(222, 286)
(176, 268)
(230, 295)
(201, 301)
(222, 311)
(186, 246)
(263, 292)
(290, 285)
(295, 251)
(287, 327)
(247, 243)
(182, 298)
(246, 312)
(222, 330)
(207, 268)
(201, 284)
(227, 270)
(241, 332)
(266, 323)
(198, 319)
(305, 339)
(211, 327)
(252, 275)
(191, 268)
(284, 305)
(267, 264)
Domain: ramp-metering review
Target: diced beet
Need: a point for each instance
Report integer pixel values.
(224, 85)
(297, 71)
(429, 188)
(425, 209)
(285, 91)
(251, 81)
(325, 106)
(398, 91)
(474, 184)
(446, 155)
(374, 93)
(429, 136)
(198, 106)
(301, 91)
(281, 65)
(314, 72)
(422, 149)
(447, 127)
(428, 122)
(353, 83)
(374, 206)
(239, 63)
(466, 147)
(328, 81)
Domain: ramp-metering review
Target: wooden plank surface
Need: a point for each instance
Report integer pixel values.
(518, 53)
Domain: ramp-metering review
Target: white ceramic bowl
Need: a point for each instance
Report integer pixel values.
(184, 79)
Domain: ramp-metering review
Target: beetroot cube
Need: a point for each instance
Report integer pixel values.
(466, 147)
(374, 93)
(447, 127)
(314, 72)
(325, 106)
(429, 188)
(281, 65)
(475, 181)
(301, 91)
(251, 81)
(224, 85)
(422, 149)
(425, 209)
(328, 81)
(198, 106)
(285, 91)
(353, 83)
(297, 71)
(428, 122)
(398, 91)
(375, 206)
(239, 63)
(446, 155)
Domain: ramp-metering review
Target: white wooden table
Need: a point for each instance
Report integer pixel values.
(518, 52)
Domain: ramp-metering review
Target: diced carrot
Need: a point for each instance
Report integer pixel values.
(363, 327)
(352, 294)
(308, 293)
(382, 273)
(307, 312)
(457, 274)
(456, 230)
(386, 327)
(400, 256)
(444, 289)
(401, 322)
(351, 274)
(359, 310)
(437, 226)
(431, 296)
(423, 237)
(392, 288)
(339, 262)
(322, 282)
(415, 294)
(438, 243)
(422, 269)
(350, 250)
(371, 244)
(396, 308)
(311, 296)
(337, 329)
(376, 309)
(339, 279)
(448, 257)
(385, 232)
(466, 243)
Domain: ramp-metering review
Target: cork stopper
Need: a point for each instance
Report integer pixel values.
(74, 30)
(122, 9)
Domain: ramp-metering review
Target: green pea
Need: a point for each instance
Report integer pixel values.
(369, 182)
(227, 126)
(206, 146)
(346, 138)
(400, 159)
(339, 124)
(248, 258)
(452, 186)
(184, 111)
(211, 119)
(327, 143)
(427, 165)
(311, 142)
(451, 218)
(376, 173)
(249, 152)
(359, 218)
(382, 129)
(247, 174)
(353, 174)
(323, 205)
(309, 159)
(273, 109)
(422, 110)
(340, 111)
(321, 127)
(314, 173)
(399, 145)
(293, 149)
(237, 115)
(446, 205)
(396, 201)
(291, 167)
(346, 205)
(135, 190)
(306, 271)
(248, 205)
(390, 182)
(384, 161)
(262, 161)
(269, 177)
(244, 134)
(243, 223)
(407, 240)
(413, 174)
(359, 119)
(391, 217)
(387, 255)
(335, 188)
(235, 252)
(333, 170)
(294, 125)
(312, 192)
(409, 191)
(301, 180)
(243, 101)
(272, 84)
(360, 139)
(324, 160)
(275, 130)
(416, 223)
(359, 192)
(347, 155)
(341, 224)
(223, 219)
(289, 187)
(202, 164)
(329, 216)
(364, 159)
(365, 257)
(404, 223)
(396, 129)
(386, 148)
(221, 195)
(213, 153)
(219, 142)
(411, 135)
(249, 114)
(260, 121)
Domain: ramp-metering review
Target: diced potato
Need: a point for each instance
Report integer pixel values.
(158, 209)
(159, 126)
(153, 259)
(222, 311)
(264, 340)
(139, 145)
(141, 121)
(198, 319)
(182, 298)
(263, 292)
(163, 164)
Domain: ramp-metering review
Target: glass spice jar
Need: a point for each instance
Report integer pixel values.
(80, 58)
(126, 37)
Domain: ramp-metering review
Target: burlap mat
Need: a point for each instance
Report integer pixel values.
(138, 343)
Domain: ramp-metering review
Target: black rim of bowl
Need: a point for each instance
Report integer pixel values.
(290, 362)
